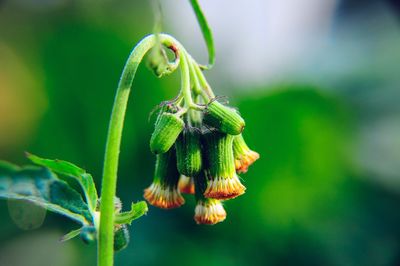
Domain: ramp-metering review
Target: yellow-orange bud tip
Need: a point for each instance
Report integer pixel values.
(224, 188)
(209, 212)
(163, 197)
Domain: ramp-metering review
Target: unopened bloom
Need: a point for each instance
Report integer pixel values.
(164, 192)
(167, 129)
(188, 152)
(223, 118)
(186, 184)
(244, 157)
(222, 180)
(121, 237)
(207, 211)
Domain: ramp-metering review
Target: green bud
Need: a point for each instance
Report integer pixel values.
(223, 183)
(167, 130)
(158, 61)
(164, 192)
(223, 118)
(188, 152)
(121, 238)
(88, 234)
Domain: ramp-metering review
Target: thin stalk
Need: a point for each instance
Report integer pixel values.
(202, 79)
(193, 77)
(186, 89)
(109, 181)
(197, 88)
(185, 81)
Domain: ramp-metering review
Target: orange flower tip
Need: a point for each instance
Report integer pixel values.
(209, 212)
(224, 188)
(242, 170)
(186, 185)
(163, 197)
(242, 164)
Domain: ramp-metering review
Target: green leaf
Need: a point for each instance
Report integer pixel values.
(68, 169)
(41, 187)
(6, 166)
(207, 34)
(137, 210)
(70, 235)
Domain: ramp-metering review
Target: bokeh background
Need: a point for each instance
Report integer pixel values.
(317, 82)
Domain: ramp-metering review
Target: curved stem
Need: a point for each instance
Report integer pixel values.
(206, 31)
(109, 181)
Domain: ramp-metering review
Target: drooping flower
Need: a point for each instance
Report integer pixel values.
(164, 192)
(207, 210)
(222, 180)
(223, 118)
(188, 152)
(167, 129)
(244, 157)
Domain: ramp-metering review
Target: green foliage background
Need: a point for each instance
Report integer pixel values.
(308, 201)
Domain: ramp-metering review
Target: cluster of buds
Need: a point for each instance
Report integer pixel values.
(200, 150)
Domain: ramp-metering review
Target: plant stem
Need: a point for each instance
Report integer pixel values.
(202, 79)
(105, 253)
(185, 83)
(193, 76)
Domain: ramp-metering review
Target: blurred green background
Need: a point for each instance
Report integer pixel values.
(321, 105)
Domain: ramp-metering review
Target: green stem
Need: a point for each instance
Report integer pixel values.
(185, 83)
(109, 182)
(202, 79)
(193, 76)
(186, 89)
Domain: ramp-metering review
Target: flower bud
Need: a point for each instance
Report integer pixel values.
(163, 192)
(188, 152)
(223, 118)
(167, 129)
(88, 234)
(222, 181)
(244, 157)
(207, 211)
(186, 184)
(121, 237)
(158, 62)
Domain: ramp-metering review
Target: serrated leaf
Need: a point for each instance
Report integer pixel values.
(84, 179)
(70, 235)
(137, 210)
(42, 187)
(206, 31)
